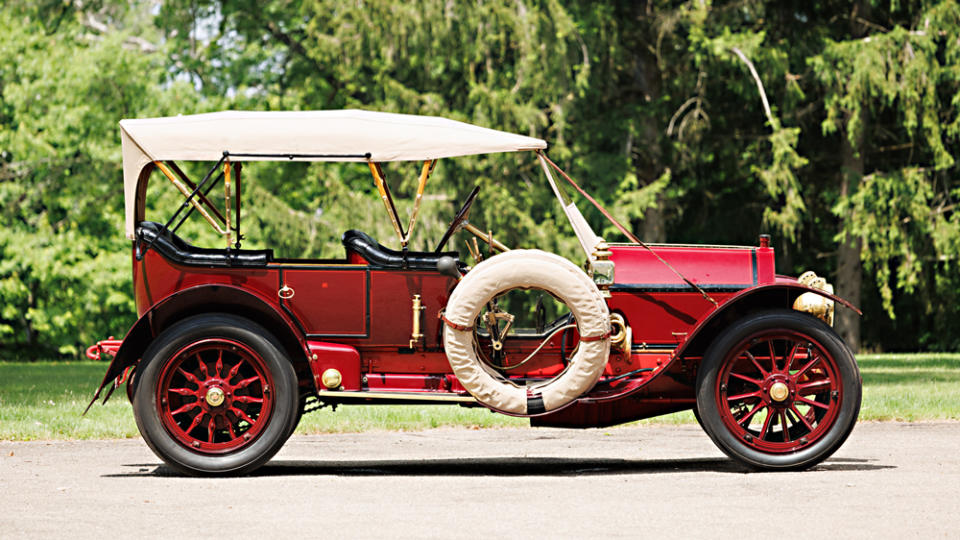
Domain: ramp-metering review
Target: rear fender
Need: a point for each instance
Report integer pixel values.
(127, 355)
(205, 299)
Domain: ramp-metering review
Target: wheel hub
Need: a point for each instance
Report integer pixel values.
(779, 391)
(215, 396)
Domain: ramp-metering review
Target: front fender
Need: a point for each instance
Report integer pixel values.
(757, 298)
(684, 362)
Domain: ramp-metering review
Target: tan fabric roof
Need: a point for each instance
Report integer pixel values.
(384, 136)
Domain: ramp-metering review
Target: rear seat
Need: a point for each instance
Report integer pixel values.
(177, 250)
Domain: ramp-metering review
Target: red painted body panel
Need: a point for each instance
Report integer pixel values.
(662, 317)
(328, 301)
(766, 267)
(660, 307)
(711, 267)
(345, 359)
(391, 306)
(391, 360)
(155, 278)
(407, 383)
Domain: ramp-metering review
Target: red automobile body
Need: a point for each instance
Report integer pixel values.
(231, 344)
(354, 318)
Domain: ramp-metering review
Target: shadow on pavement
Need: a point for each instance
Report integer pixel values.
(503, 466)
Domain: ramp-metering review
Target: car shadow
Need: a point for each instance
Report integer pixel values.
(504, 466)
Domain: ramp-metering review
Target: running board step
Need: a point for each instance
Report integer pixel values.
(398, 396)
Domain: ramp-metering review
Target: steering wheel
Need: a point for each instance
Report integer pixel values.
(458, 219)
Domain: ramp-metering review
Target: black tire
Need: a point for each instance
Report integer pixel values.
(301, 407)
(696, 415)
(757, 407)
(131, 386)
(196, 363)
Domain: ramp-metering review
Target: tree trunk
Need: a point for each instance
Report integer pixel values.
(849, 268)
(654, 228)
(649, 166)
(28, 332)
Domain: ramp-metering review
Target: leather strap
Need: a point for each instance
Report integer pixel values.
(601, 337)
(453, 325)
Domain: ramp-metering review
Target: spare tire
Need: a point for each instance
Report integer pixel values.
(524, 269)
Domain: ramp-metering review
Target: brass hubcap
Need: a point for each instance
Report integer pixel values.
(215, 396)
(779, 391)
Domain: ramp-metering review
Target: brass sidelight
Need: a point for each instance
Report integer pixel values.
(418, 308)
(622, 336)
(812, 303)
(601, 268)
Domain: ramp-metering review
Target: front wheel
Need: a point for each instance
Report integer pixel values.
(779, 391)
(215, 395)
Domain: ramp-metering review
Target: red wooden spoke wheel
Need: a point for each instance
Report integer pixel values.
(215, 395)
(778, 390)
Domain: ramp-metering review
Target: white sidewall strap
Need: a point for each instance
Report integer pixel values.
(524, 269)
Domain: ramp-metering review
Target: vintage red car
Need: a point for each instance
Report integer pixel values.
(232, 344)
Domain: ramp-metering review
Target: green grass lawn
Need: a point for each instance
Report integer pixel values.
(44, 400)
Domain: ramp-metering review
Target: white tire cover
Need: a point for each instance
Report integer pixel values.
(525, 269)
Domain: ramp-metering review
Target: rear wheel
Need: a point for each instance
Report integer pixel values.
(215, 395)
(779, 390)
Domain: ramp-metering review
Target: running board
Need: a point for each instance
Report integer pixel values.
(396, 396)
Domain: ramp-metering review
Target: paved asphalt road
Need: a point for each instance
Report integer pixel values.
(890, 480)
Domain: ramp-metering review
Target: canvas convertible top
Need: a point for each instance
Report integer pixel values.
(345, 135)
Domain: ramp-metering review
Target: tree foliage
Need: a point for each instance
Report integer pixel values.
(63, 281)
(653, 106)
